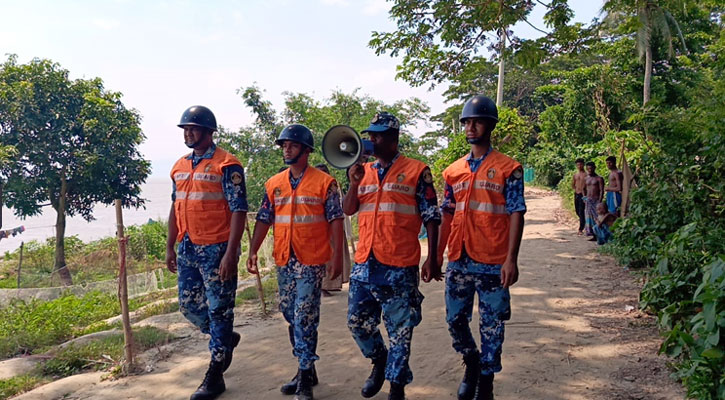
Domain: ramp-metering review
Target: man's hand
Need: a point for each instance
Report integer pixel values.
(509, 273)
(355, 174)
(252, 264)
(228, 266)
(171, 260)
(431, 271)
(335, 269)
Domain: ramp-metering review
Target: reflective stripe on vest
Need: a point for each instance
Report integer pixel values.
(200, 195)
(389, 207)
(483, 207)
(299, 219)
(278, 201)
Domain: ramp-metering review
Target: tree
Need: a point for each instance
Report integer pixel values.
(653, 20)
(76, 143)
(254, 145)
(442, 39)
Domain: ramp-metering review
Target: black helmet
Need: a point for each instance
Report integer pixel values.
(296, 133)
(479, 106)
(198, 116)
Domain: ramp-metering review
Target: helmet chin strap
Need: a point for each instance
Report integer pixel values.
(295, 159)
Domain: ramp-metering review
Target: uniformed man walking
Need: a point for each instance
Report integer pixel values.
(207, 220)
(303, 205)
(483, 220)
(394, 196)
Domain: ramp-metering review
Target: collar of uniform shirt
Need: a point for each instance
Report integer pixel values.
(294, 180)
(469, 157)
(377, 165)
(208, 154)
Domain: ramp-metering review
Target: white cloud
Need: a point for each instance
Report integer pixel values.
(106, 24)
(375, 7)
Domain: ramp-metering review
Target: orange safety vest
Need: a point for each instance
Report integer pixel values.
(299, 217)
(481, 222)
(201, 209)
(388, 217)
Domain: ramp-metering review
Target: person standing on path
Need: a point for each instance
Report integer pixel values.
(593, 192)
(303, 204)
(393, 196)
(483, 221)
(207, 220)
(577, 183)
(614, 188)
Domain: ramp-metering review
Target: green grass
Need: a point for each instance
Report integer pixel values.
(27, 328)
(250, 294)
(158, 309)
(101, 353)
(19, 384)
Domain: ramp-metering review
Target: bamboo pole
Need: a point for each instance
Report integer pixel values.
(260, 289)
(20, 262)
(123, 288)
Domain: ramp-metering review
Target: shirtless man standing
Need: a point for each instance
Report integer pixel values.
(614, 188)
(577, 183)
(593, 192)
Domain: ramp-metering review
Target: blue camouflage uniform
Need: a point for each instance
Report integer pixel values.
(300, 285)
(465, 277)
(204, 299)
(377, 288)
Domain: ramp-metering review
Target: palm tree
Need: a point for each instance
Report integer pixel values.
(654, 20)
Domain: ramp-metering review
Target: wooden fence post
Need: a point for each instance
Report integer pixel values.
(123, 288)
(260, 289)
(20, 262)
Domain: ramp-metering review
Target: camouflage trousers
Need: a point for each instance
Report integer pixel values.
(299, 302)
(493, 306)
(400, 307)
(204, 299)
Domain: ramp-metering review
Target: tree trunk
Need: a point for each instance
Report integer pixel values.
(502, 47)
(60, 267)
(647, 73)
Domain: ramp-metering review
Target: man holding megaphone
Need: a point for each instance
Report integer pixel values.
(303, 204)
(393, 196)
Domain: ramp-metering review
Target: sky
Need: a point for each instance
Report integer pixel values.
(165, 56)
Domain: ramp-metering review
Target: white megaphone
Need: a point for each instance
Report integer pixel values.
(342, 147)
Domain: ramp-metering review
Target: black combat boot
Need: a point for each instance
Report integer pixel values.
(485, 387)
(213, 384)
(291, 386)
(304, 385)
(397, 391)
(467, 388)
(229, 354)
(377, 377)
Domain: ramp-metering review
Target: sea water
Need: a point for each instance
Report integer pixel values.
(157, 192)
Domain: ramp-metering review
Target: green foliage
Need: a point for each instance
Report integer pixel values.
(89, 262)
(101, 353)
(439, 40)
(27, 326)
(255, 148)
(19, 384)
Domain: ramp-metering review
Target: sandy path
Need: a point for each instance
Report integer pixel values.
(569, 338)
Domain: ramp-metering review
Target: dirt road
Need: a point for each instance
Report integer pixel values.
(570, 337)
